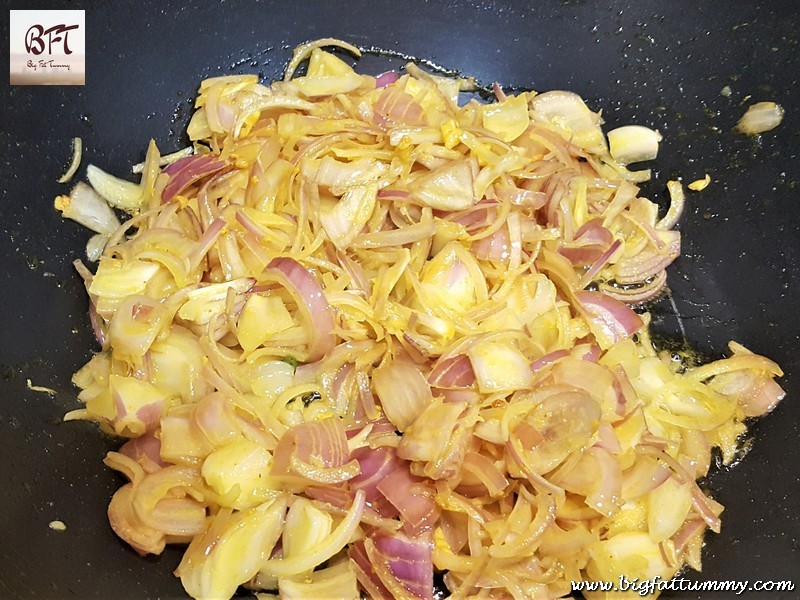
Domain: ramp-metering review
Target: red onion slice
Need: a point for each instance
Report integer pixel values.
(649, 262)
(486, 471)
(455, 372)
(495, 247)
(636, 294)
(365, 574)
(686, 532)
(410, 495)
(403, 391)
(606, 495)
(644, 476)
(375, 465)
(598, 265)
(216, 418)
(386, 78)
(392, 194)
(322, 444)
(703, 506)
(610, 320)
(312, 302)
(97, 324)
(592, 241)
(498, 92)
(548, 359)
(403, 564)
(184, 172)
(146, 450)
(396, 106)
(755, 391)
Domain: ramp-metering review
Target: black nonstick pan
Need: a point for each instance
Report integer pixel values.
(657, 63)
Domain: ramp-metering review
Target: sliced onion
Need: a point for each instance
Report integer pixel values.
(592, 378)
(498, 92)
(321, 443)
(403, 391)
(286, 567)
(524, 542)
(205, 243)
(441, 448)
(119, 193)
(598, 477)
(668, 506)
(396, 106)
(548, 359)
(376, 464)
(312, 302)
(136, 324)
(564, 422)
(476, 217)
(633, 143)
(452, 373)
(644, 476)
(186, 171)
(607, 439)
(367, 405)
(98, 325)
(339, 497)
(395, 237)
(738, 362)
(250, 225)
(499, 367)
(83, 271)
(685, 533)
(755, 391)
(588, 352)
(494, 247)
(138, 405)
(592, 242)
(648, 263)
(703, 505)
(568, 114)
(88, 208)
(486, 472)
(365, 573)
(161, 501)
(392, 194)
(411, 496)
(677, 201)
(520, 460)
(146, 450)
(304, 50)
(350, 214)
(760, 117)
(128, 526)
(610, 320)
(469, 396)
(166, 160)
(532, 200)
(77, 151)
(706, 508)
(386, 78)
(404, 565)
(96, 246)
(623, 390)
(216, 418)
(449, 187)
(636, 294)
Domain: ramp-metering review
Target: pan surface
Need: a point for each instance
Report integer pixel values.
(655, 63)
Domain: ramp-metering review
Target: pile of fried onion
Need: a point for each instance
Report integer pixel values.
(359, 334)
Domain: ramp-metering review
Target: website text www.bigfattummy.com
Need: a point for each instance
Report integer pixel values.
(645, 587)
